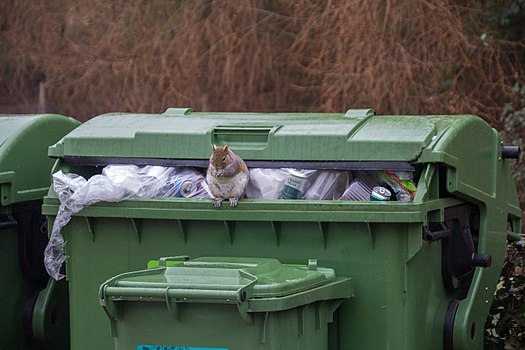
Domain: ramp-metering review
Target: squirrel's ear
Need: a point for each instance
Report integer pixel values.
(225, 148)
(214, 147)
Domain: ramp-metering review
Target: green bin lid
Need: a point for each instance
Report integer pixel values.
(25, 168)
(263, 283)
(357, 135)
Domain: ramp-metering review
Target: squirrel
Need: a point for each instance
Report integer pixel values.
(227, 176)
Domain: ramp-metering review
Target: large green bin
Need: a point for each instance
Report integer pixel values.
(224, 303)
(25, 172)
(424, 271)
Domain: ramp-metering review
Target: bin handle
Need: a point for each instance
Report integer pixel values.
(173, 296)
(514, 236)
(180, 294)
(178, 258)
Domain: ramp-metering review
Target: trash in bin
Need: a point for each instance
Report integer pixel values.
(401, 183)
(115, 184)
(185, 183)
(120, 182)
(328, 185)
(230, 303)
(360, 188)
(266, 183)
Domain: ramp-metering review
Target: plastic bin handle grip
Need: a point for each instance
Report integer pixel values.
(513, 236)
(177, 259)
(180, 294)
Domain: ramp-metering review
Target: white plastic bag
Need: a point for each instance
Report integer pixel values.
(266, 183)
(115, 184)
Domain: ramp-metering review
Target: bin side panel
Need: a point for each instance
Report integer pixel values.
(374, 255)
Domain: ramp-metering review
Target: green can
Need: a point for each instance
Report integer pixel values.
(294, 186)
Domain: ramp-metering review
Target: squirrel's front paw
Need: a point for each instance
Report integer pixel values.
(217, 202)
(233, 202)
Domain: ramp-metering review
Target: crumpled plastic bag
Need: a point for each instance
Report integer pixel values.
(268, 183)
(115, 184)
(329, 185)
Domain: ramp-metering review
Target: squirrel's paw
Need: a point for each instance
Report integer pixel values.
(233, 202)
(217, 202)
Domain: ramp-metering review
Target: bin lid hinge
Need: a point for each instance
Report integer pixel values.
(111, 308)
(244, 294)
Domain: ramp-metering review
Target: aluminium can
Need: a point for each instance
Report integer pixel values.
(380, 193)
(185, 188)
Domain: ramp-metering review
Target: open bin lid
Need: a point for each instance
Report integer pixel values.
(258, 284)
(180, 133)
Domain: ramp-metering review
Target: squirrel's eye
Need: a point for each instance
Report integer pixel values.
(223, 159)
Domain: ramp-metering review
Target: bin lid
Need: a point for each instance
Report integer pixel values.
(25, 167)
(357, 135)
(230, 280)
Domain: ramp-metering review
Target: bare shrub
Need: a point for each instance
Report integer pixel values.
(144, 56)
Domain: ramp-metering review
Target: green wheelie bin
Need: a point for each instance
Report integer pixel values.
(224, 303)
(25, 173)
(424, 267)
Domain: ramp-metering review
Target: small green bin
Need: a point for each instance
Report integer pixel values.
(25, 173)
(224, 303)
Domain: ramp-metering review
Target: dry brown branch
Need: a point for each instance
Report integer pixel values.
(398, 57)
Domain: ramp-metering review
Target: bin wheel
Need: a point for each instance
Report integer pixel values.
(448, 328)
(27, 317)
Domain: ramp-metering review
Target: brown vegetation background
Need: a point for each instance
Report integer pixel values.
(402, 57)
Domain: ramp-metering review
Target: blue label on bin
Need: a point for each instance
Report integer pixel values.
(162, 347)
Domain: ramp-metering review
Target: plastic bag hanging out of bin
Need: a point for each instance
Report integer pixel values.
(115, 184)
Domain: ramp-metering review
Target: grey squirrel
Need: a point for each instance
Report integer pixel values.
(227, 176)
